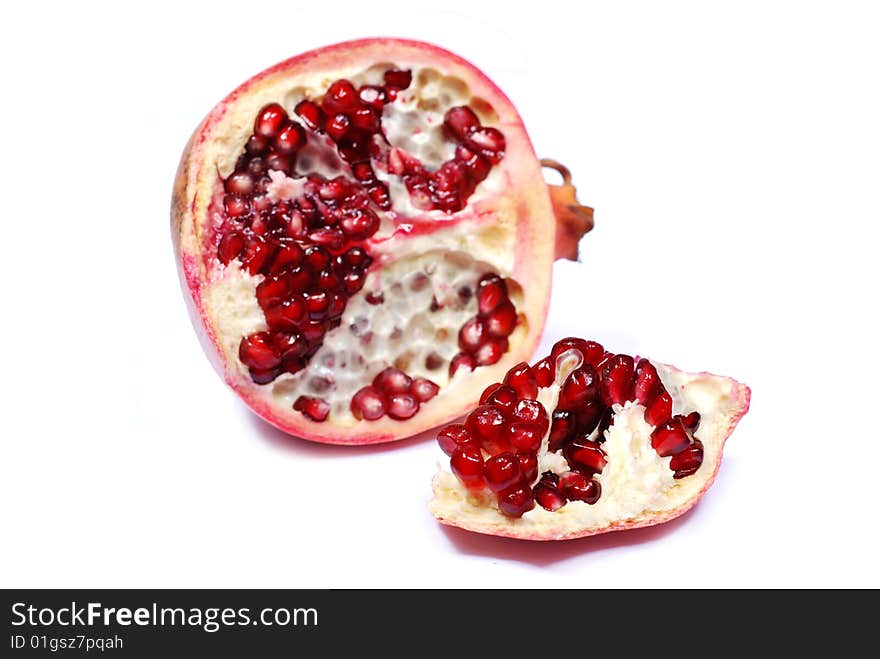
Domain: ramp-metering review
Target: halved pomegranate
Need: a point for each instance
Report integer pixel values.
(584, 442)
(366, 239)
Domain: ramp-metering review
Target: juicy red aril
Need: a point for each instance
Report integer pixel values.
(397, 79)
(231, 246)
(453, 436)
(516, 501)
(461, 361)
(688, 461)
(659, 410)
(670, 438)
(532, 412)
(402, 406)
(288, 256)
(286, 316)
(424, 390)
(503, 397)
(488, 142)
(490, 352)
(316, 409)
(236, 206)
(289, 345)
(585, 455)
(522, 380)
(580, 388)
(240, 183)
(392, 381)
(577, 487)
(691, 421)
(467, 464)
(460, 122)
(528, 465)
(501, 321)
(291, 138)
(618, 379)
(311, 114)
(470, 336)
(256, 352)
(272, 291)
(487, 425)
(488, 391)
(491, 291)
(270, 120)
(591, 351)
(502, 471)
(547, 496)
(368, 404)
(545, 372)
(524, 437)
(646, 382)
(337, 127)
(341, 96)
(563, 428)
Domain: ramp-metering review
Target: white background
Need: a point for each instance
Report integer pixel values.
(732, 154)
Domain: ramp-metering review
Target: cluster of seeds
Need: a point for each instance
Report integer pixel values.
(497, 446)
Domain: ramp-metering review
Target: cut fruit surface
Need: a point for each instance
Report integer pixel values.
(614, 455)
(354, 229)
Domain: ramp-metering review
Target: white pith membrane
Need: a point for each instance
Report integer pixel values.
(411, 271)
(638, 487)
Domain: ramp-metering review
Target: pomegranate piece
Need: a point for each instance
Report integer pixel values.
(259, 214)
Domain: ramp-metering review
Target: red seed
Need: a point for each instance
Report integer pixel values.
(353, 281)
(423, 389)
(316, 409)
(585, 456)
(317, 304)
(670, 437)
(286, 316)
(265, 376)
(311, 115)
(230, 247)
(338, 126)
(521, 378)
(368, 404)
(359, 224)
(393, 381)
(548, 497)
(528, 464)
(402, 406)
(273, 291)
(471, 335)
(488, 391)
(289, 346)
(270, 120)
(453, 436)
(488, 142)
(533, 412)
(580, 388)
(373, 96)
(688, 461)
(341, 96)
(524, 437)
(577, 487)
(278, 161)
(240, 183)
(461, 361)
(288, 256)
(502, 471)
(646, 382)
(503, 397)
(490, 352)
(491, 292)
(488, 426)
(460, 122)
(516, 501)
(618, 380)
(691, 421)
(562, 430)
(256, 352)
(502, 321)
(365, 118)
(660, 409)
(397, 79)
(236, 206)
(467, 465)
(545, 372)
(291, 138)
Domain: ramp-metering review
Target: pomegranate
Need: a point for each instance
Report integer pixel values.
(616, 442)
(355, 228)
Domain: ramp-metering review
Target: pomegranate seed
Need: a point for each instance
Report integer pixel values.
(279, 162)
(380, 196)
(337, 127)
(528, 464)
(477, 167)
(545, 372)
(327, 280)
(490, 352)
(688, 461)
(341, 96)
(337, 305)
(547, 494)
(236, 206)
(502, 471)
(256, 352)
(256, 145)
(270, 120)
(424, 390)
(453, 436)
(585, 455)
(300, 279)
(606, 357)
(264, 376)
(660, 409)
(373, 96)
(531, 411)
(311, 115)
(467, 465)
(330, 238)
(289, 346)
(491, 291)
(397, 79)
(670, 438)
(359, 224)
(230, 247)
(375, 298)
(392, 381)
(618, 380)
(286, 316)
(580, 388)
(646, 383)
(460, 122)
(691, 421)
(521, 378)
(471, 335)
(353, 281)
(257, 255)
(488, 142)
(239, 183)
(577, 487)
(366, 119)
(368, 404)
(313, 330)
(317, 304)
(487, 425)
(503, 397)
(461, 361)
(291, 138)
(273, 291)
(562, 430)
(516, 501)
(488, 391)
(288, 256)
(316, 409)
(524, 437)
(316, 258)
(502, 321)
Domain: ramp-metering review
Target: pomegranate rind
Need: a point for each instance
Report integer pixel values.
(454, 505)
(523, 217)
